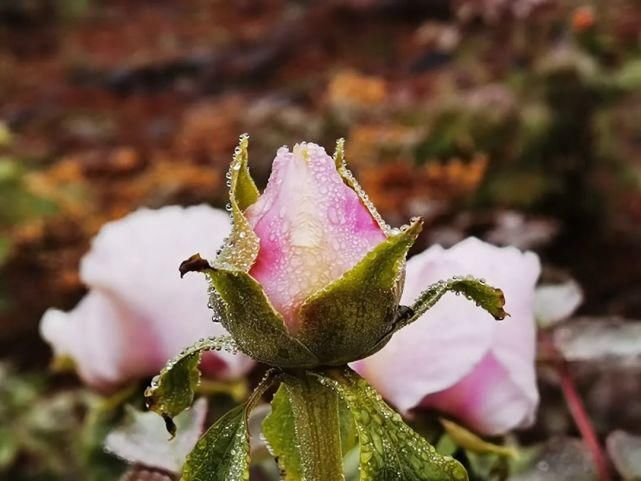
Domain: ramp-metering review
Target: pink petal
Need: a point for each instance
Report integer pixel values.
(487, 400)
(449, 342)
(436, 351)
(102, 339)
(312, 228)
(132, 268)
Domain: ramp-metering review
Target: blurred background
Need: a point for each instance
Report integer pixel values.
(518, 121)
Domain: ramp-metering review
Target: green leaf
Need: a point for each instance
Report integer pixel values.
(390, 450)
(279, 430)
(222, 453)
(241, 247)
(342, 322)
(304, 430)
(470, 441)
(489, 298)
(172, 391)
(350, 180)
(256, 326)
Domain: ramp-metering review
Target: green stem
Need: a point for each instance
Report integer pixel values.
(317, 427)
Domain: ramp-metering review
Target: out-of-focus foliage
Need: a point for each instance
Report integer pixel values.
(559, 459)
(18, 202)
(518, 121)
(51, 436)
(41, 10)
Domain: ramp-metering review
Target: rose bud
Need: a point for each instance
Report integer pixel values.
(139, 313)
(456, 358)
(311, 275)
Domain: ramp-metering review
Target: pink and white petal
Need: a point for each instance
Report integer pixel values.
(312, 228)
(437, 350)
(102, 338)
(487, 400)
(451, 339)
(515, 349)
(135, 260)
(516, 273)
(430, 355)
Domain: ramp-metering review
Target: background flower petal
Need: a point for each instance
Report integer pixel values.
(455, 340)
(139, 312)
(487, 400)
(102, 339)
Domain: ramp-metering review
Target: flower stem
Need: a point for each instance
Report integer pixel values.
(317, 427)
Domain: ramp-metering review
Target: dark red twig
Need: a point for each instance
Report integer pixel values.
(577, 410)
(583, 423)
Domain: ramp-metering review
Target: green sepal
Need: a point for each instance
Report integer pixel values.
(343, 321)
(172, 391)
(350, 180)
(250, 318)
(304, 430)
(241, 248)
(476, 290)
(390, 450)
(222, 453)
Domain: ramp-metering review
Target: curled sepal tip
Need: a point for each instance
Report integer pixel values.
(194, 264)
(248, 315)
(172, 391)
(390, 449)
(476, 290)
(349, 179)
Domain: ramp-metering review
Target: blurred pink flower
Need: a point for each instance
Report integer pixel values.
(457, 358)
(139, 312)
(312, 228)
